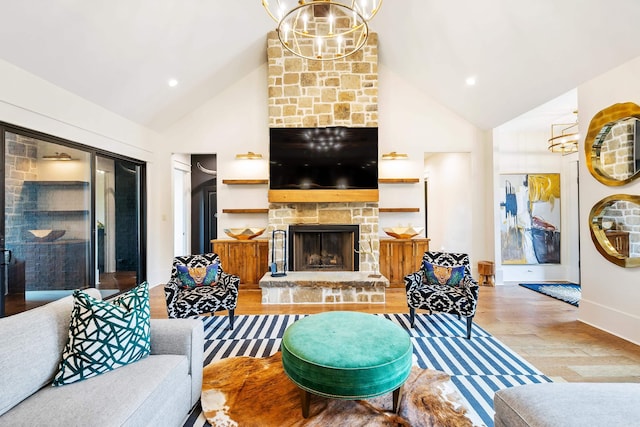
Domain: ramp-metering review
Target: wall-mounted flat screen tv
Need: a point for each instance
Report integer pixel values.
(328, 158)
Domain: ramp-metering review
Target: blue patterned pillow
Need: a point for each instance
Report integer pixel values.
(105, 335)
(191, 277)
(443, 275)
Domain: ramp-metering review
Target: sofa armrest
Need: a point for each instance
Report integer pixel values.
(183, 337)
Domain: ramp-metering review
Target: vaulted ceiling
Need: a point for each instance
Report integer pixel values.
(120, 53)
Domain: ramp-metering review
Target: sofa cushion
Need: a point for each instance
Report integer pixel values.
(568, 405)
(154, 391)
(105, 335)
(37, 336)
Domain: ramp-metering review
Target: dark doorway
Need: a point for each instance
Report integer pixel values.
(204, 223)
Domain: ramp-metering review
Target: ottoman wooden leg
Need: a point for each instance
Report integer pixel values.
(305, 397)
(397, 393)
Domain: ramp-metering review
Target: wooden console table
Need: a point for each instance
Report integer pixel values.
(399, 257)
(248, 259)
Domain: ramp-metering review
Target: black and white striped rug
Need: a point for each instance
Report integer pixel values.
(478, 367)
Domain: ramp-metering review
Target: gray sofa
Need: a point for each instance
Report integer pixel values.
(568, 405)
(158, 390)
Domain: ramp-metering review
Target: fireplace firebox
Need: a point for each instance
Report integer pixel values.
(321, 247)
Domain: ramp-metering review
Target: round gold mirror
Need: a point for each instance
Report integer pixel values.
(615, 229)
(612, 146)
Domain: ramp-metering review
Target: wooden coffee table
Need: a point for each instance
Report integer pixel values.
(346, 355)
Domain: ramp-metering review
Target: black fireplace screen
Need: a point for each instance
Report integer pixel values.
(323, 247)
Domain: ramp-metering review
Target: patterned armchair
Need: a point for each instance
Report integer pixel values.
(445, 288)
(189, 293)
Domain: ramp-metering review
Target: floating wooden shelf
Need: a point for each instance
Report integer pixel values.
(245, 181)
(56, 213)
(61, 183)
(399, 209)
(322, 196)
(245, 211)
(398, 180)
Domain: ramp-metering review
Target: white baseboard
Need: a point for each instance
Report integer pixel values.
(613, 321)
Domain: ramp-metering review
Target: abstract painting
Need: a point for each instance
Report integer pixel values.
(530, 218)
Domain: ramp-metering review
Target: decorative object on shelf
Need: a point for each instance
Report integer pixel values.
(322, 29)
(278, 265)
(245, 233)
(564, 137)
(403, 232)
(395, 156)
(43, 235)
(249, 155)
(59, 157)
(612, 145)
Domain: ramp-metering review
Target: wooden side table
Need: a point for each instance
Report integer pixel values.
(487, 272)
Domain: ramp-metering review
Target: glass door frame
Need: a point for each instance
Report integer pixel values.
(93, 152)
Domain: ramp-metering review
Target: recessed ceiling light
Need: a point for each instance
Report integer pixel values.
(471, 81)
(172, 83)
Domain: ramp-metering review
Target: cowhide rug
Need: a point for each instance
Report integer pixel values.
(248, 391)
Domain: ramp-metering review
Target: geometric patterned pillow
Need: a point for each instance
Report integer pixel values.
(191, 277)
(105, 335)
(443, 275)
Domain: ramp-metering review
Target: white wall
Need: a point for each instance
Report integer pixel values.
(413, 123)
(518, 152)
(450, 210)
(33, 103)
(410, 122)
(236, 121)
(610, 294)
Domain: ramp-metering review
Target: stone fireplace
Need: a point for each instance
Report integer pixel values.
(361, 219)
(323, 247)
(307, 93)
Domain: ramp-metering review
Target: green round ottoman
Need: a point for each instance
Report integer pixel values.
(346, 355)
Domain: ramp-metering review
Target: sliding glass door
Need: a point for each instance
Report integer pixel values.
(118, 224)
(71, 219)
(47, 214)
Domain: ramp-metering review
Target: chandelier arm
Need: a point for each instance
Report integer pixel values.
(319, 34)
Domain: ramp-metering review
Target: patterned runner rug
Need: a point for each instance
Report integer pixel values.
(478, 367)
(567, 292)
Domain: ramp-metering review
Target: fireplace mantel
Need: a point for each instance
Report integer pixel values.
(322, 196)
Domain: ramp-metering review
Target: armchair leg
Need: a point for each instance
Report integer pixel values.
(231, 319)
(469, 324)
(412, 315)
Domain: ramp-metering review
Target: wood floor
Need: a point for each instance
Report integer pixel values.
(541, 329)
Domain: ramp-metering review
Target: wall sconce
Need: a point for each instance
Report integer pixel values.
(394, 156)
(58, 157)
(250, 155)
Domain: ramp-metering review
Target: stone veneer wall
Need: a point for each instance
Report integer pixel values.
(308, 93)
(20, 166)
(617, 151)
(281, 215)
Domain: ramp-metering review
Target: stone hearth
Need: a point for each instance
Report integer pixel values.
(330, 287)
